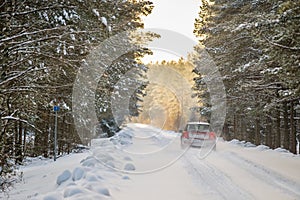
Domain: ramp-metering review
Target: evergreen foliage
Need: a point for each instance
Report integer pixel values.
(256, 46)
(42, 46)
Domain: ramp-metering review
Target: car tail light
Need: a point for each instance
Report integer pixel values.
(212, 136)
(185, 134)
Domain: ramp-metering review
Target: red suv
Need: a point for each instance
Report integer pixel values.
(198, 134)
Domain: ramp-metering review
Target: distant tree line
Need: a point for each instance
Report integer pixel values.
(168, 100)
(42, 46)
(256, 45)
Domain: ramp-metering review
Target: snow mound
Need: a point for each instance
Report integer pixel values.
(104, 157)
(103, 191)
(78, 174)
(36, 161)
(249, 144)
(63, 177)
(281, 150)
(123, 137)
(53, 196)
(129, 167)
(90, 161)
(71, 191)
(125, 178)
(236, 142)
(242, 143)
(262, 148)
(127, 158)
(92, 178)
(110, 165)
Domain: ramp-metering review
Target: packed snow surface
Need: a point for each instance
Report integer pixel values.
(143, 162)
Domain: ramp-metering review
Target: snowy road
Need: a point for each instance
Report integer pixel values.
(238, 173)
(232, 172)
(160, 170)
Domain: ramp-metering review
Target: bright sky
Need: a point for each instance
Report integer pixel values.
(175, 15)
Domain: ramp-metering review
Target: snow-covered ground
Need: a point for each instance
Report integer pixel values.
(146, 163)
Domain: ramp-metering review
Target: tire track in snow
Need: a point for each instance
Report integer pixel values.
(217, 184)
(266, 175)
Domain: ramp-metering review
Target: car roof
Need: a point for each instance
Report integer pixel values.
(204, 123)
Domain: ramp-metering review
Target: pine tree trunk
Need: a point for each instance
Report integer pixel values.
(243, 135)
(278, 131)
(24, 140)
(293, 142)
(240, 128)
(269, 132)
(286, 136)
(235, 134)
(63, 134)
(19, 154)
(257, 131)
(226, 131)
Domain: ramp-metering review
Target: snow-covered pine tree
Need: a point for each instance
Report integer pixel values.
(42, 46)
(255, 45)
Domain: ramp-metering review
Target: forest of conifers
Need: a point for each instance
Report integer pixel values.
(43, 44)
(255, 44)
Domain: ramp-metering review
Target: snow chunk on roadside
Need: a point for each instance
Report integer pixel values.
(78, 174)
(127, 158)
(71, 191)
(242, 143)
(53, 196)
(249, 144)
(63, 177)
(281, 150)
(262, 147)
(126, 178)
(90, 161)
(236, 142)
(129, 167)
(103, 191)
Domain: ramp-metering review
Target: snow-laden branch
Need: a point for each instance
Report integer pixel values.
(16, 76)
(21, 120)
(26, 88)
(32, 41)
(31, 33)
(282, 46)
(37, 10)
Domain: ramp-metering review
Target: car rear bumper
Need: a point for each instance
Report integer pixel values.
(198, 142)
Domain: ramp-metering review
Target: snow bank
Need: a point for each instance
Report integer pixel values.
(35, 161)
(248, 145)
(259, 147)
(91, 180)
(122, 138)
(98, 172)
(281, 150)
(262, 148)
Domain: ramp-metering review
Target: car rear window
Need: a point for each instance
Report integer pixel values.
(197, 127)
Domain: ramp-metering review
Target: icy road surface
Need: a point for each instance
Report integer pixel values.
(234, 171)
(152, 166)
